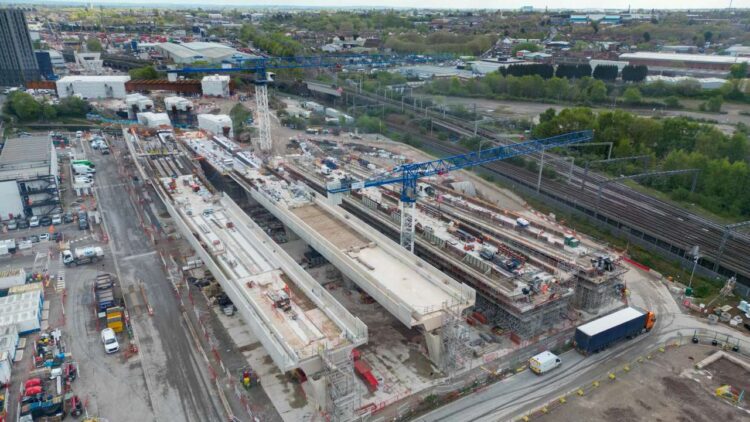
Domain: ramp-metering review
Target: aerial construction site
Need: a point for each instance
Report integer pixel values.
(339, 289)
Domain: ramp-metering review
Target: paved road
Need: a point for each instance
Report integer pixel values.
(518, 394)
(176, 377)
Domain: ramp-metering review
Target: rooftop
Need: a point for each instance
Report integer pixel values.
(598, 325)
(22, 151)
(94, 78)
(694, 58)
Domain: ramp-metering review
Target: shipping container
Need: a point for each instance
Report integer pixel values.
(600, 333)
(11, 278)
(6, 365)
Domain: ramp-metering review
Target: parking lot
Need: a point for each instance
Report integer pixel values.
(164, 369)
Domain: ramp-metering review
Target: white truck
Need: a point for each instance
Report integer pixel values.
(82, 255)
(543, 362)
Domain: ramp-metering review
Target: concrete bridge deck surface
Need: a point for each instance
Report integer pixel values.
(250, 269)
(410, 288)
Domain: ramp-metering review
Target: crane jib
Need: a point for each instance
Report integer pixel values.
(408, 174)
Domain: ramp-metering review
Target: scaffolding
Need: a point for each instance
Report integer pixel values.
(596, 289)
(343, 392)
(264, 121)
(454, 340)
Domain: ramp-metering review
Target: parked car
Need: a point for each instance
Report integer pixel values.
(12, 224)
(56, 219)
(22, 223)
(68, 217)
(45, 221)
(109, 339)
(34, 238)
(34, 221)
(44, 237)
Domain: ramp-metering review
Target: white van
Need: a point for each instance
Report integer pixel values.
(543, 362)
(83, 169)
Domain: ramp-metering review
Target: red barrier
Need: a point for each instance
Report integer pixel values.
(636, 264)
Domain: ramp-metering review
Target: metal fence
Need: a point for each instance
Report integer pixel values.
(481, 377)
(720, 340)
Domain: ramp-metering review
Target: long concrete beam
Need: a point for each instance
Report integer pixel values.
(439, 291)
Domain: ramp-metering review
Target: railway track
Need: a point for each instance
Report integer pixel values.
(668, 227)
(677, 230)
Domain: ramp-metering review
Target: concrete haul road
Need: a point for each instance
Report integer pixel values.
(176, 376)
(520, 393)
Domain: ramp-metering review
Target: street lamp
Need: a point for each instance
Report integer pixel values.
(695, 252)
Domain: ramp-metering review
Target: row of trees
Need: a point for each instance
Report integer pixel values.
(606, 72)
(275, 43)
(674, 143)
(441, 42)
(26, 108)
(634, 73)
(495, 85)
(574, 71)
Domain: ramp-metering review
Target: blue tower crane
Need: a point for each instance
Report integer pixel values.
(409, 174)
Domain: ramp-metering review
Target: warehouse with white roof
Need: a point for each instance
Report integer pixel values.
(92, 87)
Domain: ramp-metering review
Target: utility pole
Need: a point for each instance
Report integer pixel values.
(539, 178)
(696, 256)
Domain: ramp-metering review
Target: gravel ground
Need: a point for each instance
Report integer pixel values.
(665, 388)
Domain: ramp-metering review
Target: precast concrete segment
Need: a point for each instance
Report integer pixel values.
(415, 292)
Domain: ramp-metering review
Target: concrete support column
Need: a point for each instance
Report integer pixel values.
(290, 235)
(319, 382)
(434, 341)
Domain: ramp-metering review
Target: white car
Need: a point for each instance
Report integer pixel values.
(34, 221)
(109, 339)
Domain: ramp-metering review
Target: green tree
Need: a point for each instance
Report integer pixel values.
(72, 107)
(632, 96)
(24, 106)
(646, 36)
(48, 112)
(598, 91)
(93, 45)
(672, 102)
(714, 104)
(547, 115)
(738, 70)
(147, 72)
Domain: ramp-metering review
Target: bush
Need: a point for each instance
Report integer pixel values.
(147, 72)
(632, 96)
(672, 102)
(714, 104)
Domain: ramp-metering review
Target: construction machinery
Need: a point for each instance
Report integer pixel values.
(409, 174)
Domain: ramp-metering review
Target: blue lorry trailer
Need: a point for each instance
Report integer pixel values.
(600, 333)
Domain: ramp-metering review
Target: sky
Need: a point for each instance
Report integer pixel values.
(451, 4)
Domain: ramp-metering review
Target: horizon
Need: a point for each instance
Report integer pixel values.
(513, 5)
